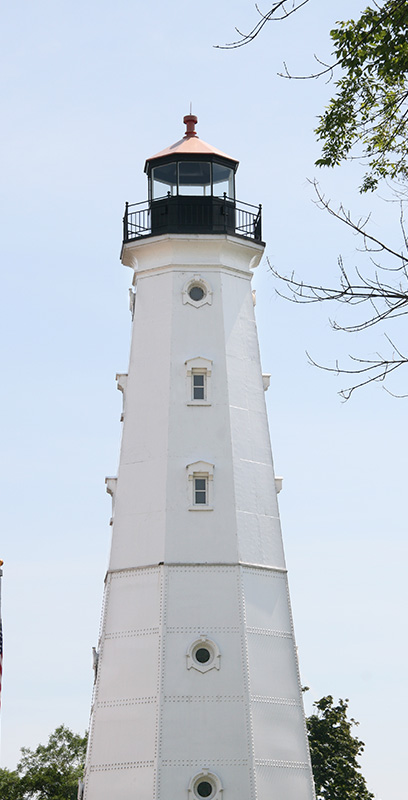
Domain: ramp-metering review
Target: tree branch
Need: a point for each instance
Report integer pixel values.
(270, 16)
(376, 369)
(358, 227)
(386, 300)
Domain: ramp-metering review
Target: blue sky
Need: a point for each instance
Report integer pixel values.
(88, 91)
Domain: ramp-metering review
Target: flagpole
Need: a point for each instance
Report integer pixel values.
(1, 644)
(1, 633)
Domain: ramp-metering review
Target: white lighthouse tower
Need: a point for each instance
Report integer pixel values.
(197, 691)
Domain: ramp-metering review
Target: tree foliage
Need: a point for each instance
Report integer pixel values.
(10, 785)
(366, 119)
(369, 110)
(334, 752)
(50, 772)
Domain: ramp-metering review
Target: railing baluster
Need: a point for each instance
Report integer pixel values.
(248, 219)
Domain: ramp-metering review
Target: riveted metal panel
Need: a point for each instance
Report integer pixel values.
(204, 729)
(280, 782)
(175, 777)
(227, 680)
(272, 666)
(116, 737)
(129, 666)
(266, 600)
(134, 601)
(121, 783)
(202, 596)
(278, 731)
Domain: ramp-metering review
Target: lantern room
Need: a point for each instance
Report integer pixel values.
(191, 189)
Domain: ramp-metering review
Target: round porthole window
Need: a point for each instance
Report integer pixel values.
(204, 789)
(203, 655)
(197, 293)
(205, 786)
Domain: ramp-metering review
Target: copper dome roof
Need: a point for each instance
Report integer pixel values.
(190, 144)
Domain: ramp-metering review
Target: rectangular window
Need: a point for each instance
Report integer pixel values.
(198, 381)
(200, 491)
(198, 386)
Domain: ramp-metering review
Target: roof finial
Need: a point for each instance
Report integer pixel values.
(190, 120)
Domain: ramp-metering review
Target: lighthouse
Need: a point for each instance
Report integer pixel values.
(197, 691)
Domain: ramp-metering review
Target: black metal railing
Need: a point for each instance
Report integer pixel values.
(191, 214)
(247, 223)
(136, 221)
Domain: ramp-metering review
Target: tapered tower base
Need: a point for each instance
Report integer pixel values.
(197, 691)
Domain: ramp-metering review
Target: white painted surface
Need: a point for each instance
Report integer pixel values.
(175, 576)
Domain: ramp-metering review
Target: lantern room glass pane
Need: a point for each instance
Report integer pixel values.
(223, 181)
(164, 180)
(194, 178)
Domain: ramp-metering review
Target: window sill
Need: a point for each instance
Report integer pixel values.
(198, 403)
(201, 508)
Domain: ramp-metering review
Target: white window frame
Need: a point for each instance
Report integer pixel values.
(198, 366)
(200, 470)
(213, 649)
(199, 387)
(197, 280)
(212, 778)
(200, 490)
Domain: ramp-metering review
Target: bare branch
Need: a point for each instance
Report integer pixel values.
(402, 225)
(346, 292)
(376, 369)
(329, 68)
(270, 16)
(358, 227)
(385, 300)
(397, 396)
